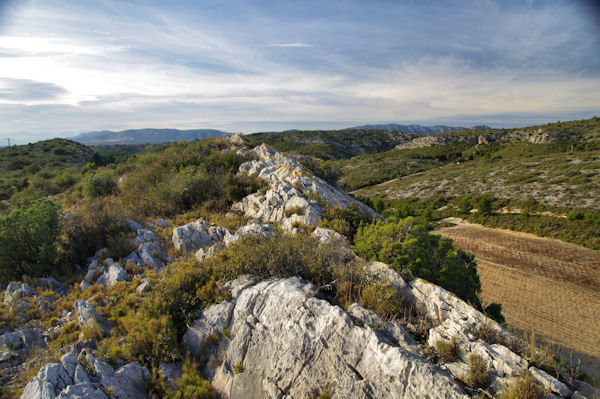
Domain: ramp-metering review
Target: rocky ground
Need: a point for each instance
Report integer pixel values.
(278, 338)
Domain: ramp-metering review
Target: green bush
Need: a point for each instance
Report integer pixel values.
(28, 238)
(191, 385)
(99, 184)
(411, 250)
(93, 225)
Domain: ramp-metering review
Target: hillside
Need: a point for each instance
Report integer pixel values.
(45, 167)
(207, 268)
(145, 136)
(551, 174)
(332, 144)
(416, 129)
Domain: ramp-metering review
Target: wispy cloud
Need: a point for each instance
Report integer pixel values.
(296, 44)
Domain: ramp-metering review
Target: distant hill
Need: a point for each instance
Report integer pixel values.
(145, 136)
(417, 129)
(332, 144)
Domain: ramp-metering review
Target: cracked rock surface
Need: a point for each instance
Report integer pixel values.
(286, 343)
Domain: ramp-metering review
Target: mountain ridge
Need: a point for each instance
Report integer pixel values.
(145, 136)
(417, 129)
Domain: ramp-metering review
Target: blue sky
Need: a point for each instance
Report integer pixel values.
(73, 66)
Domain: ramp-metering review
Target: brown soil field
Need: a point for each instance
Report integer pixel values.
(546, 286)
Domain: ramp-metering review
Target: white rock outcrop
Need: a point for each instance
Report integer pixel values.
(290, 199)
(284, 342)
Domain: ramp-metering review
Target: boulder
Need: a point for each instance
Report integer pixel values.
(550, 383)
(88, 317)
(144, 287)
(11, 340)
(327, 235)
(284, 342)
(171, 372)
(115, 273)
(133, 225)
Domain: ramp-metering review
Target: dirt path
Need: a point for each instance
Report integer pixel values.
(544, 285)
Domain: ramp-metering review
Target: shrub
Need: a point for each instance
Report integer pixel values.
(99, 184)
(150, 340)
(28, 237)
(381, 298)
(238, 368)
(344, 221)
(523, 388)
(484, 205)
(325, 394)
(191, 385)
(93, 225)
(464, 205)
(494, 311)
(447, 350)
(477, 376)
(411, 250)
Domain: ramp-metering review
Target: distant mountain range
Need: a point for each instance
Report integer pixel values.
(145, 136)
(417, 129)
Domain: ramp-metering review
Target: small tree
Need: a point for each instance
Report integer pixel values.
(411, 250)
(484, 205)
(464, 204)
(28, 238)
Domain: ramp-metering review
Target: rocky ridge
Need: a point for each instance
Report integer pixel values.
(292, 197)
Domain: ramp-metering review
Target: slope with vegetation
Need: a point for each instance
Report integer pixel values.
(332, 144)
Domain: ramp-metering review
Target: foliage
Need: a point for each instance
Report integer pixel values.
(28, 240)
(345, 221)
(40, 169)
(191, 385)
(181, 177)
(99, 184)
(93, 225)
(494, 311)
(477, 376)
(484, 205)
(524, 387)
(323, 169)
(464, 204)
(447, 350)
(331, 144)
(410, 249)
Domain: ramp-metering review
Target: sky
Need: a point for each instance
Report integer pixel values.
(267, 65)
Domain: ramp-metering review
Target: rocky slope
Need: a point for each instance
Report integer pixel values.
(281, 337)
(533, 136)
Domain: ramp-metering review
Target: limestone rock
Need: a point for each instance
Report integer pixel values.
(385, 274)
(215, 319)
(327, 235)
(193, 236)
(88, 317)
(253, 228)
(550, 383)
(287, 202)
(133, 225)
(143, 287)
(171, 372)
(291, 344)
